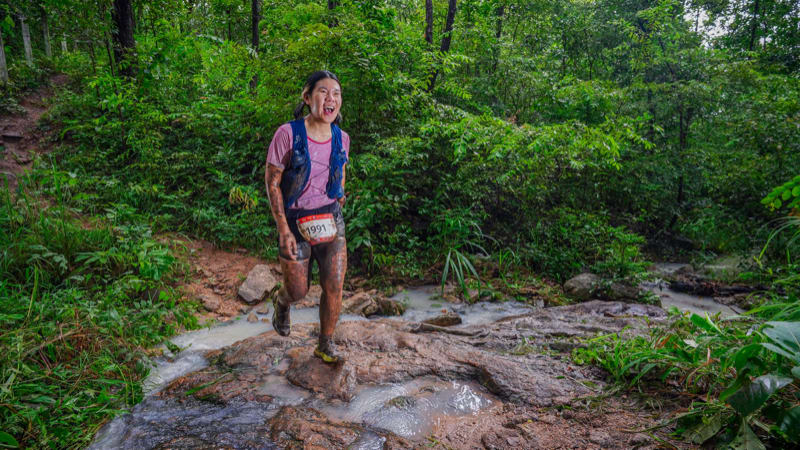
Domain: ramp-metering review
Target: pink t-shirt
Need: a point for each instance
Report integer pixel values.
(280, 151)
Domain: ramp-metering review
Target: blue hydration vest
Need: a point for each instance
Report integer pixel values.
(295, 176)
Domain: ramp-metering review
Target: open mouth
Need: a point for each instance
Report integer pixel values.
(329, 109)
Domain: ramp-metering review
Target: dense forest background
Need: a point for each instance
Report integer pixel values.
(540, 138)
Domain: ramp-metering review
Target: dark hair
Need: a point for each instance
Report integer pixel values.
(308, 88)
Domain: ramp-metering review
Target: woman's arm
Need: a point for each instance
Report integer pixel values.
(343, 200)
(286, 239)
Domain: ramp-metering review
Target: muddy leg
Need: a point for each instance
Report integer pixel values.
(295, 279)
(332, 260)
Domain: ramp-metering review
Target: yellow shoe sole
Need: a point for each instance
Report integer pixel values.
(325, 357)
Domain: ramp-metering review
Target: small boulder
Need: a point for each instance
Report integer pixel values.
(368, 303)
(263, 308)
(445, 319)
(581, 287)
(258, 284)
(622, 292)
(210, 302)
(252, 317)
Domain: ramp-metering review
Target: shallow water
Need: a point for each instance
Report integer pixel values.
(688, 302)
(410, 409)
(422, 303)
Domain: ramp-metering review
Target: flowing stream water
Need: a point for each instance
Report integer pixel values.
(410, 409)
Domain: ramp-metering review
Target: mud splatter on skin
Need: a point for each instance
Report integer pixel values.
(332, 260)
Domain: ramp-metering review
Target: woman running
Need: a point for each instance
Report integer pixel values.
(305, 181)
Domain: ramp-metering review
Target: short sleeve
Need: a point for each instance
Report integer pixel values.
(280, 147)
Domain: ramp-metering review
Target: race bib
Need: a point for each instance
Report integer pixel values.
(318, 228)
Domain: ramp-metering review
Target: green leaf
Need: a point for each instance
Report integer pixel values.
(776, 203)
(705, 430)
(787, 336)
(744, 355)
(796, 191)
(752, 396)
(790, 424)
(746, 439)
(787, 194)
(796, 371)
(705, 323)
(7, 440)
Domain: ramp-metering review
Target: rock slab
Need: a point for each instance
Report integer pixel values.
(258, 284)
(581, 287)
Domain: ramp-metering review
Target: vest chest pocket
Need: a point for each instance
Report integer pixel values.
(298, 158)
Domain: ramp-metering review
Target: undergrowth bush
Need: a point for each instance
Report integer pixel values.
(80, 302)
(742, 373)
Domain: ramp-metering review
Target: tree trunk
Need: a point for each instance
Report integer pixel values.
(26, 40)
(230, 19)
(256, 17)
(124, 44)
(448, 26)
(64, 44)
(3, 66)
(46, 34)
(754, 27)
(500, 13)
(446, 39)
(332, 22)
(429, 21)
(107, 40)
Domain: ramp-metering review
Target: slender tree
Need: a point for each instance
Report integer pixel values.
(46, 33)
(446, 39)
(26, 40)
(124, 44)
(429, 21)
(256, 16)
(3, 66)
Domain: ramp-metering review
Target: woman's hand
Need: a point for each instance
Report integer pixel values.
(288, 245)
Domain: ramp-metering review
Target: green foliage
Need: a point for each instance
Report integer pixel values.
(748, 374)
(80, 302)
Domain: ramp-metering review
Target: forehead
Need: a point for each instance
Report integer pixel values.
(327, 83)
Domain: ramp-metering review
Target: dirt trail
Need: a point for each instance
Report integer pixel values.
(19, 136)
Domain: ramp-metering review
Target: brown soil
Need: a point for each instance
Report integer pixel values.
(215, 278)
(20, 137)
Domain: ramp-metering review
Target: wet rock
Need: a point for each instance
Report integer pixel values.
(252, 317)
(402, 402)
(622, 292)
(12, 136)
(369, 303)
(263, 308)
(445, 319)
(670, 270)
(210, 303)
(305, 428)
(258, 284)
(581, 287)
(332, 380)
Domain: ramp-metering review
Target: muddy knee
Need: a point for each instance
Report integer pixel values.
(292, 292)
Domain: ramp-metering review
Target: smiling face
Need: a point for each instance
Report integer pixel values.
(325, 100)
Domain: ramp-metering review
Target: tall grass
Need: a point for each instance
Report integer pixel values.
(80, 302)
